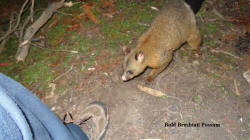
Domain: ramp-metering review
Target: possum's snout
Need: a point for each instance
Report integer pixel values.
(125, 77)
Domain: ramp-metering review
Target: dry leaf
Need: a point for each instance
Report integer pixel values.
(73, 27)
(58, 41)
(6, 64)
(107, 3)
(68, 4)
(151, 91)
(55, 21)
(107, 8)
(88, 11)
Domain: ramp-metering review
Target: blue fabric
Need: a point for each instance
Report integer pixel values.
(15, 114)
(24, 116)
(8, 126)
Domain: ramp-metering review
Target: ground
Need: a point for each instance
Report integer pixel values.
(209, 89)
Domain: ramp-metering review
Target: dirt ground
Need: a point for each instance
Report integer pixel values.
(192, 95)
(136, 115)
(198, 90)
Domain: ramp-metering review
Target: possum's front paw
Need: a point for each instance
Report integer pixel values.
(197, 53)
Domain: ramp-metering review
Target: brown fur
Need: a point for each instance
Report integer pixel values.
(174, 25)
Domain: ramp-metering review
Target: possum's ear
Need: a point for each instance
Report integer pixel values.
(125, 50)
(139, 56)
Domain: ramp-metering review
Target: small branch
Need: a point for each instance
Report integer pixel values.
(216, 12)
(219, 14)
(42, 47)
(143, 24)
(2, 45)
(220, 51)
(5, 40)
(11, 30)
(32, 10)
(65, 14)
(23, 47)
(28, 18)
(236, 88)
(58, 77)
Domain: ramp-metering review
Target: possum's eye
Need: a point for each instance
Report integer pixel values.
(130, 72)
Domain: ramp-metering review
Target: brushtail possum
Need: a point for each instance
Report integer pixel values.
(174, 25)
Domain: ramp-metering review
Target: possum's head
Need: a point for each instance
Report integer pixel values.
(133, 65)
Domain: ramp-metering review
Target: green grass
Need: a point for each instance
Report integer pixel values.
(60, 89)
(201, 12)
(196, 99)
(122, 29)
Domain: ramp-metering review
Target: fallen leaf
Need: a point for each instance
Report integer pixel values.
(229, 37)
(107, 8)
(151, 91)
(73, 27)
(6, 64)
(55, 21)
(58, 41)
(88, 11)
(107, 3)
(80, 17)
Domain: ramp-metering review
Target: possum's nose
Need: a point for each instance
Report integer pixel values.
(124, 77)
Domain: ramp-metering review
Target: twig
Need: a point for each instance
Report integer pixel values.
(26, 21)
(66, 14)
(211, 4)
(220, 51)
(236, 88)
(143, 24)
(32, 10)
(2, 45)
(58, 77)
(219, 14)
(5, 40)
(42, 47)
(202, 20)
(17, 23)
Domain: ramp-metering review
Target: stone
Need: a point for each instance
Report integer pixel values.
(246, 75)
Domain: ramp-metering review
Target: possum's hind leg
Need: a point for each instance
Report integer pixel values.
(194, 41)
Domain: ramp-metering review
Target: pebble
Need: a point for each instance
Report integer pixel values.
(246, 75)
(195, 63)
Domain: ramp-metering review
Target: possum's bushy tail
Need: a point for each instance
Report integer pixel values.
(194, 4)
